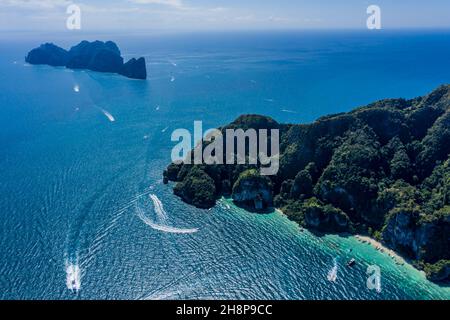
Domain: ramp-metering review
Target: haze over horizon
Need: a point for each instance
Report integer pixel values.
(194, 15)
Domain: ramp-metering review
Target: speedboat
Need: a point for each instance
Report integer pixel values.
(351, 263)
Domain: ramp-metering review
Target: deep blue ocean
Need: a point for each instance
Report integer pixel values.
(82, 155)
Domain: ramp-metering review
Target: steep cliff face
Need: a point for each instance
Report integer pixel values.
(383, 169)
(400, 231)
(253, 191)
(422, 238)
(96, 56)
(134, 69)
(324, 218)
(438, 272)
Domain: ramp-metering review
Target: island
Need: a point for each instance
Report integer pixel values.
(96, 56)
(381, 170)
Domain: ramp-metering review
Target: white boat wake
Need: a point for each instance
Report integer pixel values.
(73, 277)
(167, 228)
(162, 218)
(289, 111)
(159, 209)
(77, 260)
(108, 115)
(332, 274)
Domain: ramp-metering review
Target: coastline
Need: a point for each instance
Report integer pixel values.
(352, 246)
(326, 179)
(381, 248)
(398, 259)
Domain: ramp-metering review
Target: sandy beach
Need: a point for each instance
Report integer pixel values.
(399, 260)
(381, 248)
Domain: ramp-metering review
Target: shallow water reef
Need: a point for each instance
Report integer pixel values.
(382, 170)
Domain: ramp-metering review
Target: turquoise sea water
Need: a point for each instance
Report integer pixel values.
(81, 194)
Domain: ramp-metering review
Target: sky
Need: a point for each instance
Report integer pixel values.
(204, 15)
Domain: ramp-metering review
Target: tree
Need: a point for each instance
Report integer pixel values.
(401, 165)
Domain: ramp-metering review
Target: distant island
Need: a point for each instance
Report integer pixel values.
(96, 56)
(381, 170)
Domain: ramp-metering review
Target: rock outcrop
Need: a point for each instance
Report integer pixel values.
(134, 69)
(438, 272)
(197, 188)
(96, 56)
(324, 218)
(48, 54)
(253, 191)
(421, 237)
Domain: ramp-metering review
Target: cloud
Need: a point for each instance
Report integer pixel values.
(55, 4)
(218, 9)
(135, 14)
(170, 3)
(36, 4)
(108, 10)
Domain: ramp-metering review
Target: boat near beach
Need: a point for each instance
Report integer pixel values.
(351, 263)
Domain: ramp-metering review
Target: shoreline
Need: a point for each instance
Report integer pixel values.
(398, 259)
(377, 245)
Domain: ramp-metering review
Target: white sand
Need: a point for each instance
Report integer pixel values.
(380, 247)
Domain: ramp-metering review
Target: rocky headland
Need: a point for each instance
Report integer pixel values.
(382, 170)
